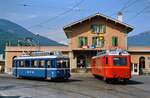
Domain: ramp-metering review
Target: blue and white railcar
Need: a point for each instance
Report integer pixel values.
(52, 66)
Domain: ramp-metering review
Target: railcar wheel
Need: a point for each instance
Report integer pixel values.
(107, 80)
(125, 80)
(96, 76)
(65, 78)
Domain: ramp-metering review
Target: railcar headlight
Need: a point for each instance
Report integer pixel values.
(52, 73)
(61, 61)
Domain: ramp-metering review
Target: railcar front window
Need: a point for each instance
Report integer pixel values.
(120, 61)
(63, 63)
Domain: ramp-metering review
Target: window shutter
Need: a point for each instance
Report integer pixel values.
(113, 41)
(116, 41)
(86, 41)
(92, 28)
(94, 40)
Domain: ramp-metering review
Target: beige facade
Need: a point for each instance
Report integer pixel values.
(141, 57)
(84, 29)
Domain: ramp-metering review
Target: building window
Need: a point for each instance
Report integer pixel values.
(114, 41)
(94, 41)
(98, 41)
(98, 28)
(83, 41)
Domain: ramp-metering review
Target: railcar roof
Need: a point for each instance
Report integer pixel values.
(113, 53)
(40, 57)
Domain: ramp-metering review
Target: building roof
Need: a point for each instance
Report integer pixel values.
(138, 49)
(40, 57)
(129, 27)
(36, 48)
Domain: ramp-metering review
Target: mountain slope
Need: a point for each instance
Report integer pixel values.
(142, 39)
(12, 33)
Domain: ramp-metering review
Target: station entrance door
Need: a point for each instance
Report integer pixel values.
(135, 69)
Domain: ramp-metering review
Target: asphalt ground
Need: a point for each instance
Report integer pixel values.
(80, 85)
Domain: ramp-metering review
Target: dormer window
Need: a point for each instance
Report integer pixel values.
(98, 28)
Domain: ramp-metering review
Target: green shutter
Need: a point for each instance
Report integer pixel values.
(94, 40)
(92, 28)
(113, 41)
(79, 41)
(86, 41)
(100, 28)
(116, 41)
(104, 28)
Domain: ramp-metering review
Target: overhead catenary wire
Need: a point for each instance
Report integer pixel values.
(58, 15)
(140, 12)
(128, 4)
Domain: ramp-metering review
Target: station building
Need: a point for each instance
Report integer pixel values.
(87, 37)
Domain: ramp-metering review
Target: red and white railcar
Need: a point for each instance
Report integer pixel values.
(112, 65)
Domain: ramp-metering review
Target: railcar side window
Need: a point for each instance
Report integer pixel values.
(65, 64)
(22, 63)
(27, 63)
(41, 63)
(61, 63)
(120, 61)
(33, 63)
(49, 63)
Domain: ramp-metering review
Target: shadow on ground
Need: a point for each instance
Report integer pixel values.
(48, 80)
(116, 82)
(130, 82)
(9, 96)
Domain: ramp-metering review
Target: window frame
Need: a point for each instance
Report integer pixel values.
(83, 42)
(100, 28)
(126, 61)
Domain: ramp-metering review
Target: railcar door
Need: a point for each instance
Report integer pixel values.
(105, 63)
(51, 68)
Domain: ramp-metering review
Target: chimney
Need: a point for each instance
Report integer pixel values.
(120, 16)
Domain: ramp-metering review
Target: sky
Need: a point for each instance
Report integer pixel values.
(47, 17)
